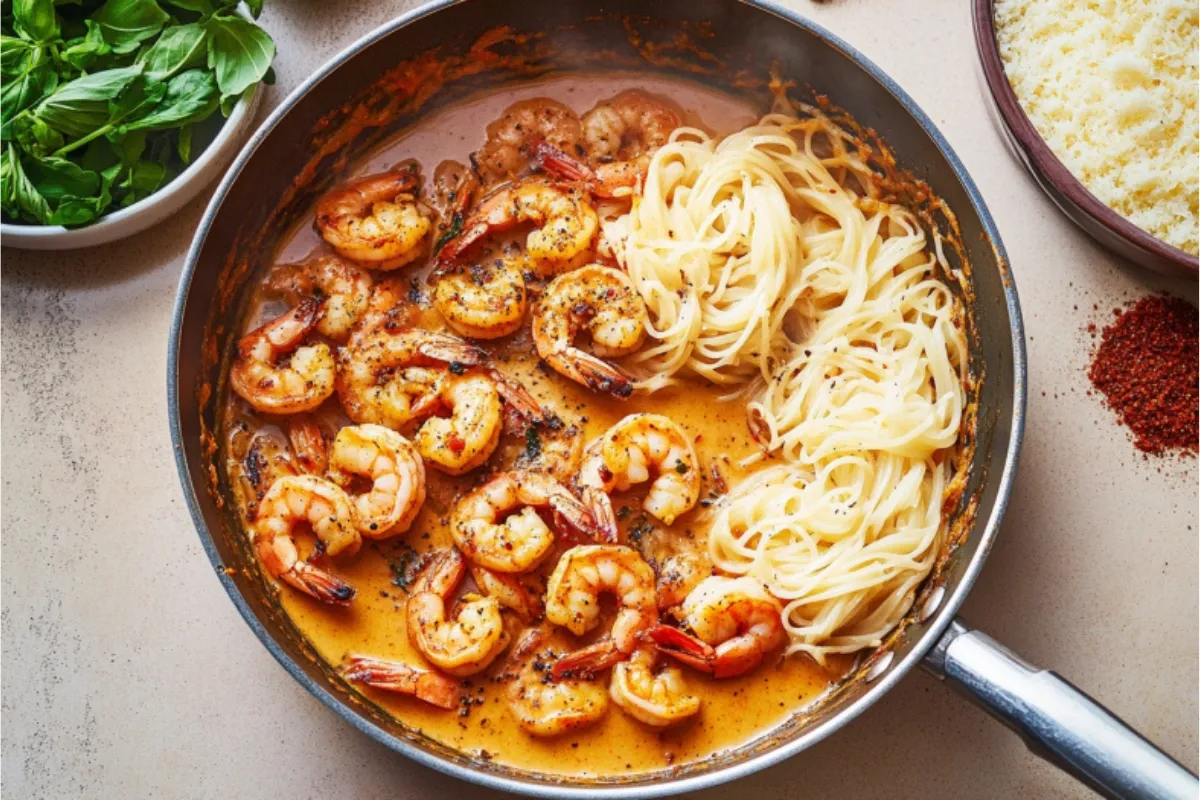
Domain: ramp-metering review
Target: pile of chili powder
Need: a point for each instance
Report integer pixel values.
(1146, 367)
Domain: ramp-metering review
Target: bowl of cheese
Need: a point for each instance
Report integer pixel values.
(1097, 99)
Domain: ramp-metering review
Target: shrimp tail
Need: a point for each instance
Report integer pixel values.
(442, 574)
(524, 409)
(594, 373)
(432, 687)
(560, 165)
(585, 663)
(577, 515)
(600, 505)
(319, 584)
(682, 647)
(452, 350)
(308, 444)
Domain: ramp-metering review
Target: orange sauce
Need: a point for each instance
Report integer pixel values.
(734, 711)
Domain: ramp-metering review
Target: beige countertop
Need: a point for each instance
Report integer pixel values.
(127, 672)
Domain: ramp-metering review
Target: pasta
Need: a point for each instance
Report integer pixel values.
(769, 265)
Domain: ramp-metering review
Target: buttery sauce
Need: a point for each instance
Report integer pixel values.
(733, 710)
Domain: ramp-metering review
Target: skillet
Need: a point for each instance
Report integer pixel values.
(449, 50)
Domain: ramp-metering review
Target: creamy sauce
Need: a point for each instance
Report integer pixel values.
(734, 710)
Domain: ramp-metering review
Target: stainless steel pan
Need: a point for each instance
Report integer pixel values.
(343, 109)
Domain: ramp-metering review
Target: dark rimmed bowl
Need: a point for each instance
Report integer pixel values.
(1083, 208)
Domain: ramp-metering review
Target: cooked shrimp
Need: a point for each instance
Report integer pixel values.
(508, 588)
(308, 444)
(601, 301)
(553, 447)
(620, 135)
(375, 220)
(345, 289)
(461, 646)
(546, 707)
(507, 153)
(658, 698)
(582, 575)
(324, 506)
(491, 535)
(565, 219)
(303, 383)
(735, 622)
(678, 575)
(395, 470)
(392, 676)
(392, 377)
(468, 437)
(454, 188)
(267, 459)
(484, 300)
(639, 448)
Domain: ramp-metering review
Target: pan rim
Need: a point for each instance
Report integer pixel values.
(936, 626)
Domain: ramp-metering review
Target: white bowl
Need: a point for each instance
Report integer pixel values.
(203, 170)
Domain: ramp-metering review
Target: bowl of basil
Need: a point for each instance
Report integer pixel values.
(115, 114)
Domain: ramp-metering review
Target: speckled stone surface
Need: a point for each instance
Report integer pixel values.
(127, 672)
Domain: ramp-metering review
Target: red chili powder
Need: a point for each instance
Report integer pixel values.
(1146, 367)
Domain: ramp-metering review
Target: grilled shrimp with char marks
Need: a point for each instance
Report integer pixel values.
(294, 499)
(601, 301)
(582, 575)
(395, 470)
(377, 220)
(735, 622)
(300, 385)
(467, 643)
(344, 288)
(497, 525)
(656, 697)
(544, 706)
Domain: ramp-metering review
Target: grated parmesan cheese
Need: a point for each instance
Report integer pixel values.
(1111, 86)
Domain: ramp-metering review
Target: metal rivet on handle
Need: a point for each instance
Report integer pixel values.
(880, 666)
(932, 603)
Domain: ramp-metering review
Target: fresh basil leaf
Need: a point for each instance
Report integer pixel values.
(179, 48)
(82, 53)
(127, 23)
(19, 198)
(78, 210)
(130, 147)
(255, 6)
(203, 7)
(138, 99)
(34, 20)
(36, 137)
(81, 106)
(190, 97)
(146, 177)
(22, 92)
(56, 178)
(239, 52)
(185, 144)
(16, 55)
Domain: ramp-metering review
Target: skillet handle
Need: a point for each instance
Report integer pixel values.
(1057, 721)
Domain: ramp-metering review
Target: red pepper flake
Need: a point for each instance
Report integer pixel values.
(1146, 367)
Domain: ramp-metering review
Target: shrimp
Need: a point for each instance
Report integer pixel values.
(567, 224)
(678, 575)
(375, 221)
(573, 601)
(468, 437)
(393, 676)
(484, 300)
(735, 622)
(324, 506)
(657, 698)
(639, 448)
(392, 377)
(301, 385)
(345, 288)
(552, 447)
(546, 707)
(466, 644)
(507, 151)
(508, 588)
(601, 301)
(395, 469)
(621, 134)
(522, 540)
(308, 444)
